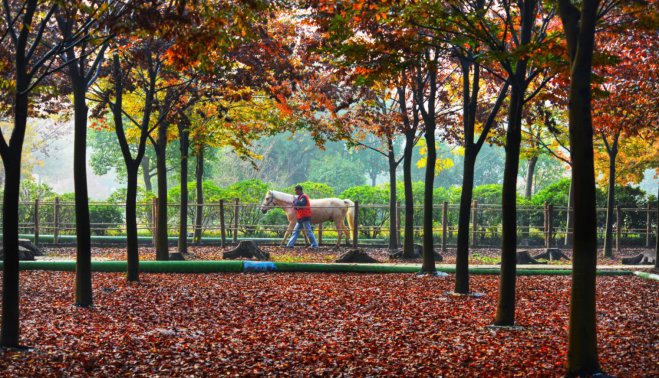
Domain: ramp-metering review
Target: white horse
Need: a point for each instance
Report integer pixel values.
(322, 210)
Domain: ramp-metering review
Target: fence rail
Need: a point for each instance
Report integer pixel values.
(230, 220)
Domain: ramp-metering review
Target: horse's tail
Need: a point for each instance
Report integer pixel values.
(350, 215)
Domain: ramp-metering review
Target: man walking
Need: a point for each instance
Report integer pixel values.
(302, 205)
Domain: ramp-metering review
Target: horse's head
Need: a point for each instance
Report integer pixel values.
(268, 202)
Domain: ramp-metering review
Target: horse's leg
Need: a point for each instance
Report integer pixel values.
(306, 237)
(288, 232)
(339, 231)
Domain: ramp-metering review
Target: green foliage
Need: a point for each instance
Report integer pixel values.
(367, 194)
(105, 217)
(375, 217)
(489, 194)
(248, 191)
(212, 192)
(629, 196)
(31, 190)
(340, 174)
(556, 194)
(313, 189)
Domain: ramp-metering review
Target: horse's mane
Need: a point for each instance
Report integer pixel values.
(282, 195)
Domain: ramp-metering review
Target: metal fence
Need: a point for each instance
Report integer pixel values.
(229, 221)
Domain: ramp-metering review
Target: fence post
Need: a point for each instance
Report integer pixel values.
(355, 231)
(444, 224)
(56, 222)
(223, 234)
(320, 234)
(154, 217)
(398, 238)
(36, 222)
(618, 228)
(550, 225)
(648, 226)
(235, 221)
(474, 224)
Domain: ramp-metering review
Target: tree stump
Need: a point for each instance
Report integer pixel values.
(246, 249)
(418, 253)
(523, 257)
(356, 256)
(176, 256)
(26, 251)
(645, 258)
(552, 254)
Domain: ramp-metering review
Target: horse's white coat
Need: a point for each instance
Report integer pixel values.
(322, 210)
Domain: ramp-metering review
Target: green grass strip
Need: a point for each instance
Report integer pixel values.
(237, 266)
(648, 275)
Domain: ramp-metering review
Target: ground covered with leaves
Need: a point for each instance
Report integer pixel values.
(326, 254)
(320, 324)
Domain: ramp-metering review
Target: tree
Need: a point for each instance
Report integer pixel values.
(113, 98)
(517, 47)
(579, 25)
(32, 46)
(82, 70)
(625, 106)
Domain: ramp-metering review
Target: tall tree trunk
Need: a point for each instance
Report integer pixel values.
(579, 27)
(132, 247)
(505, 315)
(428, 252)
(162, 247)
(610, 203)
(184, 144)
(569, 226)
(11, 158)
(408, 245)
(199, 177)
(393, 234)
(373, 178)
(462, 253)
(10, 291)
(84, 297)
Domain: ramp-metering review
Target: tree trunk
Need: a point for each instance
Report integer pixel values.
(162, 248)
(408, 238)
(529, 177)
(10, 286)
(462, 253)
(132, 247)
(610, 204)
(11, 159)
(506, 305)
(505, 315)
(428, 252)
(528, 193)
(393, 227)
(579, 27)
(146, 175)
(199, 177)
(184, 133)
(84, 297)
(569, 227)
